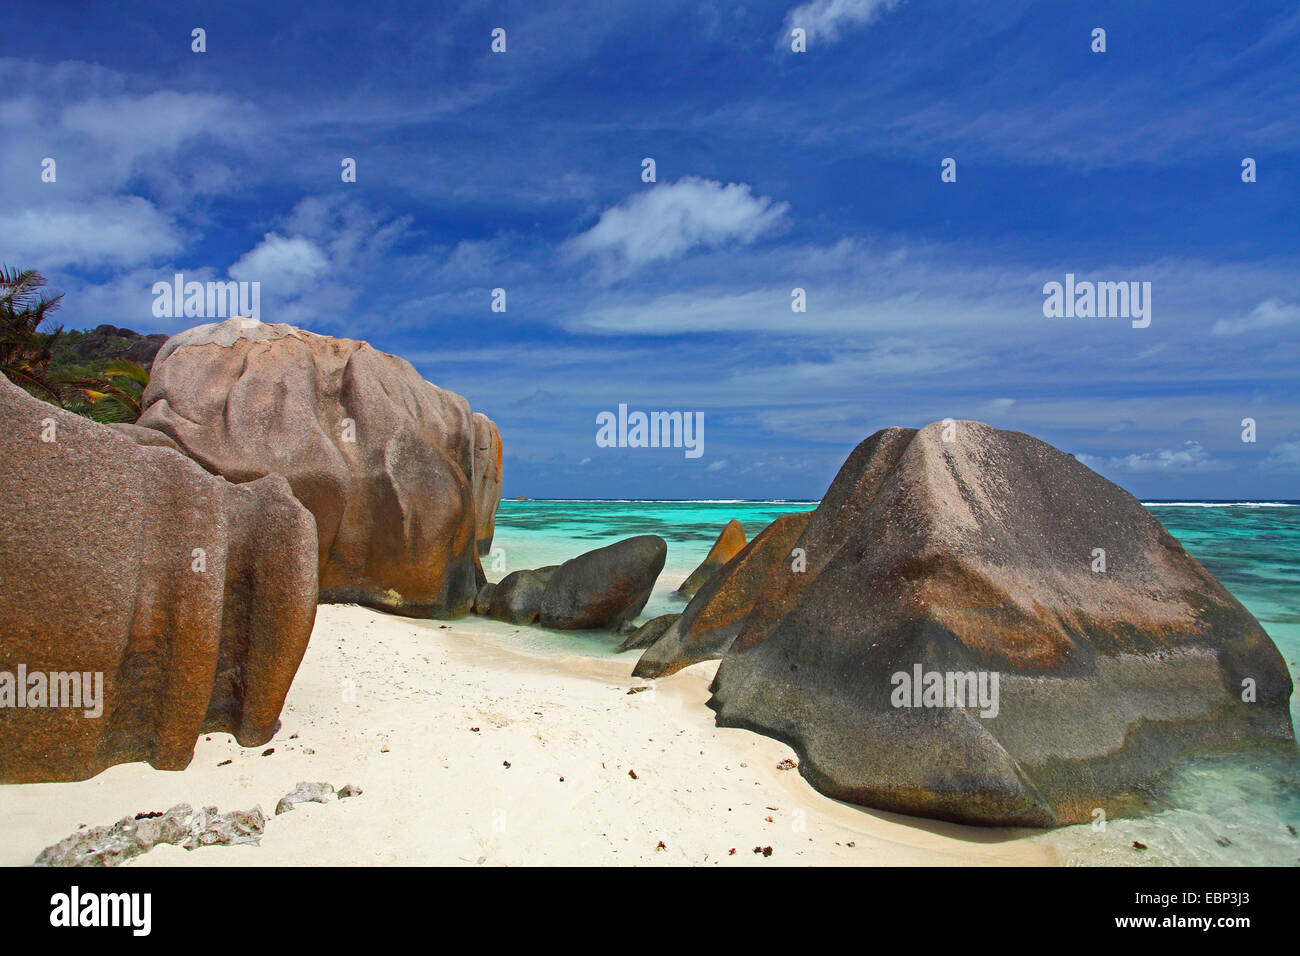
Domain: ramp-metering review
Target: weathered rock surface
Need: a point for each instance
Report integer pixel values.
(714, 616)
(604, 587)
(975, 556)
(145, 436)
(384, 460)
(483, 602)
(181, 825)
(728, 545)
(517, 598)
(305, 792)
(189, 600)
(487, 480)
(647, 633)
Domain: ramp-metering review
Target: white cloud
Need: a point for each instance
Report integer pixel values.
(117, 231)
(1266, 315)
(1191, 457)
(665, 222)
(717, 465)
(161, 121)
(827, 19)
(1285, 456)
(284, 265)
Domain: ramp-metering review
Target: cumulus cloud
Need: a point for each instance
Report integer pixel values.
(286, 265)
(665, 222)
(1190, 458)
(1268, 314)
(117, 231)
(828, 19)
(1285, 456)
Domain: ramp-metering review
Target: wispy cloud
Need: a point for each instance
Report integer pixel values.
(665, 222)
(1189, 458)
(829, 19)
(111, 231)
(1268, 314)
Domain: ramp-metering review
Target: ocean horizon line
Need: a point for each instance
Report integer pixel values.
(1149, 503)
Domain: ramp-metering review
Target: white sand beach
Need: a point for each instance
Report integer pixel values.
(439, 710)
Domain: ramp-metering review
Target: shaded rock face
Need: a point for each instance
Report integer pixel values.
(604, 587)
(647, 633)
(975, 556)
(728, 545)
(384, 460)
(483, 602)
(487, 480)
(191, 598)
(714, 616)
(145, 436)
(517, 598)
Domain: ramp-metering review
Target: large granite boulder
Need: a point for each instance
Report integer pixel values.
(517, 598)
(483, 602)
(728, 545)
(487, 480)
(713, 618)
(944, 566)
(605, 587)
(383, 459)
(647, 633)
(187, 600)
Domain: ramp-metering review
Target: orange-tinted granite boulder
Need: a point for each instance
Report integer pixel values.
(728, 545)
(957, 649)
(168, 600)
(383, 459)
(713, 617)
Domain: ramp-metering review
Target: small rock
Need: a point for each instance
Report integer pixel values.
(182, 826)
(304, 793)
(350, 790)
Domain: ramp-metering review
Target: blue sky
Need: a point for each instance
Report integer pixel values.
(775, 170)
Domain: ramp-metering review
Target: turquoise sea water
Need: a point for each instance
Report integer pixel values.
(1221, 811)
